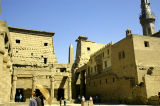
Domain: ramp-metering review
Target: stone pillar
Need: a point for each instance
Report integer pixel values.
(13, 88)
(34, 79)
(52, 87)
(1, 50)
(69, 89)
(71, 57)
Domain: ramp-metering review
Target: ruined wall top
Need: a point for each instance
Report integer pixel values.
(36, 32)
(80, 38)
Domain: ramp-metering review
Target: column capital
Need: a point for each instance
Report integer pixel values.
(34, 77)
(14, 77)
(52, 78)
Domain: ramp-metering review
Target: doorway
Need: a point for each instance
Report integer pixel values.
(60, 93)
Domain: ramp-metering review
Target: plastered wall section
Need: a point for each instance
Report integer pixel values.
(146, 56)
(124, 66)
(152, 85)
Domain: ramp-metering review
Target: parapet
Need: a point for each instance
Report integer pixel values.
(82, 38)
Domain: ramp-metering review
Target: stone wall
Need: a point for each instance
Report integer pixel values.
(84, 49)
(134, 73)
(34, 62)
(5, 64)
(147, 52)
(32, 47)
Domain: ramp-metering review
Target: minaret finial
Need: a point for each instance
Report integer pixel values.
(147, 18)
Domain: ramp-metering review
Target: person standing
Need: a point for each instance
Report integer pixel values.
(38, 98)
(33, 101)
(83, 98)
(20, 97)
(90, 98)
(64, 101)
(60, 101)
(79, 99)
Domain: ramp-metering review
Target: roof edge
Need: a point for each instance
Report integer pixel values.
(15, 29)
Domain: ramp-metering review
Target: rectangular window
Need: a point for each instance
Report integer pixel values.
(91, 69)
(45, 44)
(108, 51)
(113, 79)
(105, 63)
(18, 41)
(123, 54)
(62, 69)
(106, 81)
(88, 48)
(45, 60)
(88, 70)
(146, 43)
(119, 55)
(95, 68)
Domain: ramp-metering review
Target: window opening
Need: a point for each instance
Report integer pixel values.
(45, 44)
(146, 43)
(88, 48)
(18, 41)
(45, 60)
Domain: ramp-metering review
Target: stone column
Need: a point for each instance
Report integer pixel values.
(52, 87)
(34, 79)
(2, 52)
(13, 88)
(69, 89)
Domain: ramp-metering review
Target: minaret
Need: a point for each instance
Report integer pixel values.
(71, 54)
(147, 18)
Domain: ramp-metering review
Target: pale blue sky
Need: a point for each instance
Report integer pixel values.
(101, 21)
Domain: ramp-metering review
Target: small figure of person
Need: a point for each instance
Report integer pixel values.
(20, 97)
(97, 99)
(39, 98)
(17, 98)
(90, 98)
(60, 101)
(64, 101)
(83, 98)
(33, 101)
(79, 99)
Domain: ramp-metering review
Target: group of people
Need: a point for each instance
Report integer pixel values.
(19, 98)
(63, 100)
(37, 99)
(95, 99)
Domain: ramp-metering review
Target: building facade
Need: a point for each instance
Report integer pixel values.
(124, 72)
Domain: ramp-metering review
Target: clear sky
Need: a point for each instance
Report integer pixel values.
(101, 21)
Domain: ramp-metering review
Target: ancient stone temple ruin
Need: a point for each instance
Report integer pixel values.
(125, 72)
